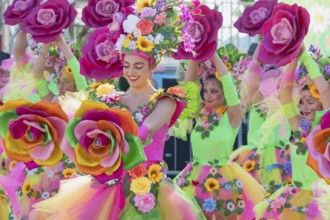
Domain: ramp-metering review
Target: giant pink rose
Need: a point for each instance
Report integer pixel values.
(19, 10)
(283, 34)
(100, 59)
(47, 21)
(254, 17)
(99, 13)
(204, 31)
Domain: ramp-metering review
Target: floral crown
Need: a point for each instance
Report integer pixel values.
(152, 30)
(301, 75)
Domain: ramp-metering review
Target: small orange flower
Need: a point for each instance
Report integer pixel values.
(12, 164)
(138, 171)
(204, 118)
(249, 165)
(228, 65)
(177, 90)
(26, 188)
(314, 92)
(68, 172)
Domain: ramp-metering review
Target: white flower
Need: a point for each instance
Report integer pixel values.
(158, 38)
(241, 204)
(239, 183)
(139, 116)
(267, 200)
(132, 45)
(150, 38)
(129, 24)
(119, 43)
(112, 182)
(31, 172)
(50, 174)
(137, 33)
(231, 206)
(45, 195)
(265, 187)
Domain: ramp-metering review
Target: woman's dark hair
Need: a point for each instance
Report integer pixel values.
(210, 77)
(123, 84)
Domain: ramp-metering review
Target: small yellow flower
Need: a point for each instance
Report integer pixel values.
(249, 165)
(140, 185)
(155, 95)
(12, 164)
(154, 173)
(67, 70)
(204, 118)
(104, 89)
(289, 181)
(211, 184)
(143, 3)
(143, 44)
(95, 85)
(68, 172)
(217, 75)
(126, 42)
(26, 188)
(130, 36)
(228, 65)
(303, 140)
(314, 92)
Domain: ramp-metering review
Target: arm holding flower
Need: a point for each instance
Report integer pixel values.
(80, 80)
(235, 112)
(285, 95)
(315, 73)
(19, 47)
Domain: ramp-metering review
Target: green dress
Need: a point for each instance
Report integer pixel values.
(222, 189)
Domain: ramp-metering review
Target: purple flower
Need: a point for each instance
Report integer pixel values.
(255, 16)
(203, 32)
(283, 34)
(99, 13)
(47, 21)
(299, 72)
(160, 4)
(19, 10)
(326, 69)
(305, 125)
(148, 12)
(287, 167)
(99, 58)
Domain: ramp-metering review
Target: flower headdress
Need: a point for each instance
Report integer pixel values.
(152, 30)
(301, 75)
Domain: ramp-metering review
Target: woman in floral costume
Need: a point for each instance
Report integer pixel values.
(299, 200)
(267, 155)
(222, 189)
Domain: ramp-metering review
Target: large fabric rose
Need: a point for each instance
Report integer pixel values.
(32, 133)
(254, 17)
(104, 141)
(283, 34)
(318, 142)
(99, 13)
(47, 21)
(204, 31)
(19, 10)
(100, 59)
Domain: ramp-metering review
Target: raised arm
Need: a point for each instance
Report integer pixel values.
(315, 74)
(19, 47)
(285, 95)
(73, 63)
(191, 74)
(235, 112)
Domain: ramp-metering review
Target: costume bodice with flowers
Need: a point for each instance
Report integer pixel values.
(154, 150)
(213, 138)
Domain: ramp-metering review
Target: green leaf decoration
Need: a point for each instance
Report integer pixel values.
(69, 132)
(5, 116)
(135, 154)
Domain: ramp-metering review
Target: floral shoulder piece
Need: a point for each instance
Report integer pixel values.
(208, 120)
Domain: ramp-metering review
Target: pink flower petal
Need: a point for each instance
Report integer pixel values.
(111, 159)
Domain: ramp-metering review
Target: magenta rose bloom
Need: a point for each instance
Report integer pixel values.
(204, 31)
(47, 21)
(283, 33)
(254, 17)
(19, 10)
(99, 13)
(100, 59)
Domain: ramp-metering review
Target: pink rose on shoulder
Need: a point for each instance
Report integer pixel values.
(283, 33)
(47, 21)
(19, 10)
(99, 13)
(100, 59)
(145, 202)
(254, 17)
